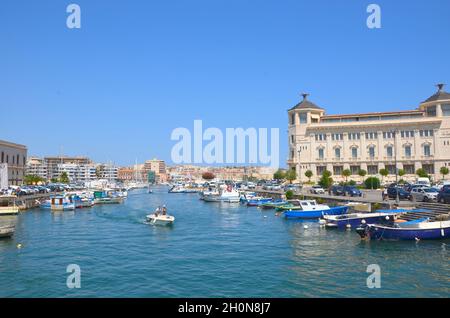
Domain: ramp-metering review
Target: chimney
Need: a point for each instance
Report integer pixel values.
(440, 87)
(305, 96)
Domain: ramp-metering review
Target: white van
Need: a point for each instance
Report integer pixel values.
(423, 181)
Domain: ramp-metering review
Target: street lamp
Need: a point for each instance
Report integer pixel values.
(397, 199)
(299, 166)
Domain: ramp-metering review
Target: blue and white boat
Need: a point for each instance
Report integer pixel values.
(257, 201)
(58, 203)
(353, 220)
(309, 209)
(423, 230)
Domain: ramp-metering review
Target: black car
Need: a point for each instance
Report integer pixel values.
(337, 190)
(444, 195)
(402, 193)
(352, 191)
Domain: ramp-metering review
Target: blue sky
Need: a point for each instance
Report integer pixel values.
(116, 88)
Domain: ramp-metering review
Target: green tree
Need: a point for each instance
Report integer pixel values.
(291, 175)
(444, 171)
(208, 176)
(326, 181)
(422, 173)
(289, 195)
(309, 174)
(401, 172)
(54, 180)
(346, 173)
(362, 173)
(372, 183)
(64, 178)
(384, 172)
(279, 175)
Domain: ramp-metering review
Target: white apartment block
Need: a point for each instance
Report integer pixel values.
(407, 140)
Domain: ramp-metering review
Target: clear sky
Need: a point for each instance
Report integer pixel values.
(116, 88)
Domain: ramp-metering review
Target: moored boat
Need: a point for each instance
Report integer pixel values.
(7, 231)
(8, 205)
(273, 204)
(353, 220)
(257, 201)
(309, 209)
(58, 203)
(413, 232)
(107, 197)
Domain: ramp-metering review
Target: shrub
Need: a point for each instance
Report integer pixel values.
(289, 195)
(372, 183)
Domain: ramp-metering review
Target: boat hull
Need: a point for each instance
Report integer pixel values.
(160, 219)
(6, 232)
(378, 232)
(355, 222)
(315, 214)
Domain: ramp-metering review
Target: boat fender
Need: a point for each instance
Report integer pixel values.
(19, 246)
(363, 222)
(387, 218)
(348, 226)
(417, 240)
(305, 227)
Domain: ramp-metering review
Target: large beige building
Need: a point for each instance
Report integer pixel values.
(13, 158)
(407, 140)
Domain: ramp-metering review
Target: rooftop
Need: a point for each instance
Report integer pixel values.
(306, 104)
(439, 95)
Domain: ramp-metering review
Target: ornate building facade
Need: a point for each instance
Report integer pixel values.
(402, 140)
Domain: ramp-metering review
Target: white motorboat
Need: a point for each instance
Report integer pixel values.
(7, 231)
(226, 194)
(160, 219)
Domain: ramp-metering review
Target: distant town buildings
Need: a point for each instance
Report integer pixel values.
(407, 140)
(13, 159)
(194, 173)
(152, 171)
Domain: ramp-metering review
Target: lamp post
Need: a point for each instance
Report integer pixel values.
(299, 166)
(397, 199)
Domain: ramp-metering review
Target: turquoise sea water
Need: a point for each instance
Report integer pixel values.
(213, 250)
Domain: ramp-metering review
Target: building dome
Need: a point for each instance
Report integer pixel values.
(439, 95)
(306, 104)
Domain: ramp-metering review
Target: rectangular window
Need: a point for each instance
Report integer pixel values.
(431, 111)
(337, 170)
(372, 152)
(407, 151)
(390, 169)
(428, 168)
(337, 153)
(354, 153)
(389, 151)
(426, 150)
(445, 110)
(321, 153)
(293, 119)
(320, 170)
(409, 169)
(355, 170)
(303, 119)
(292, 139)
(371, 170)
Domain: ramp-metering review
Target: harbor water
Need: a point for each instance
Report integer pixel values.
(212, 250)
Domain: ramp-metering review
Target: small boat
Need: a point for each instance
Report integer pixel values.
(58, 203)
(257, 201)
(353, 220)
(273, 204)
(226, 194)
(160, 217)
(309, 209)
(7, 231)
(107, 197)
(413, 231)
(81, 201)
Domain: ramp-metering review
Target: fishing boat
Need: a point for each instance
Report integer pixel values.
(257, 201)
(245, 196)
(107, 197)
(309, 209)
(273, 204)
(226, 194)
(81, 201)
(353, 220)
(58, 203)
(7, 231)
(415, 231)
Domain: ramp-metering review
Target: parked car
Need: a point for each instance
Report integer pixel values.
(424, 194)
(317, 189)
(444, 195)
(337, 190)
(352, 191)
(402, 193)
